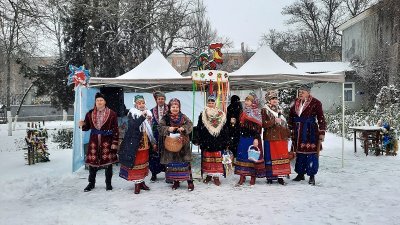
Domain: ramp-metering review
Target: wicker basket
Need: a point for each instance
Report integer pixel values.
(173, 144)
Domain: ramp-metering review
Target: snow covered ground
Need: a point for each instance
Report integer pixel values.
(365, 191)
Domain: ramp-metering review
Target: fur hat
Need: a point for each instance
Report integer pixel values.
(157, 94)
(270, 95)
(306, 87)
(99, 95)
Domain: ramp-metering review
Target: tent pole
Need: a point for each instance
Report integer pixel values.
(343, 126)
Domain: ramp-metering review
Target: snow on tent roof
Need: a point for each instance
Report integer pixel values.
(322, 67)
(156, 66)
(265, 62)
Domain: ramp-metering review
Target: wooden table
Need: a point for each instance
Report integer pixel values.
(371, 135)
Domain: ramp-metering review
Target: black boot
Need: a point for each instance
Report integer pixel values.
(89, 187)
(108, 173)
(299, 177)
(153, 177)
(91, 179)
(312, 180)
(281, 181)
(269, 181)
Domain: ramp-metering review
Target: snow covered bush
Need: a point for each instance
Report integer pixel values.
(64, 138)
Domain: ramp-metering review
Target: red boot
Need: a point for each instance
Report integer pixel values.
(137, 188)
(253, 180)
(176, 185)
(143, 186)
(216, 181)
(190, 185)
(241, 180)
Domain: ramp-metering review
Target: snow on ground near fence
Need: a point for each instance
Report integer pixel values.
(365, 191)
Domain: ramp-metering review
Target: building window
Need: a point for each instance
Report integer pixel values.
(236, 62)
(178, 63)
(349, 92)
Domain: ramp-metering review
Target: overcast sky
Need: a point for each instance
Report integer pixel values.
(246, 20)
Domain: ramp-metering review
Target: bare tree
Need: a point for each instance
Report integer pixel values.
(18, 19)
(354, 7)
(319, 18)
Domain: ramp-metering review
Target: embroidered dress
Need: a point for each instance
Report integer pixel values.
(213, 138)
(276, 155)
(104, 132)
(134, 152)
(141, 165)
(177, 163)
(250, 129)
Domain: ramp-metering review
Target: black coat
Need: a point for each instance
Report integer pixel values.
(130, 144)
(209, 142)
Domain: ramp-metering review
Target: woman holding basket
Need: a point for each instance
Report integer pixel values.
(174, 129)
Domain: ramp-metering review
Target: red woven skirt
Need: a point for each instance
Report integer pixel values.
(280, 158)
(140, 169)
(212, 163)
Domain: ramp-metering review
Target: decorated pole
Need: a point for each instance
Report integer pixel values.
(80, 77)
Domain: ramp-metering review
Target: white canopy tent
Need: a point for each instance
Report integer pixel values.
(265, 68)
(155, 72)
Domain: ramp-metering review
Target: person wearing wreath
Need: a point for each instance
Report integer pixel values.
(135, 148)
(275, 136)
(213, 139)
(158, 112)
(307, 123)
(174, 129)
(103, 143)
(248, 163)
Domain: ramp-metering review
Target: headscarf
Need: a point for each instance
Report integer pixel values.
(176, 120)
(253, 110)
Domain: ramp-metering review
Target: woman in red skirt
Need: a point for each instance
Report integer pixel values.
(276, 135)
(134, 152)
(213, 139)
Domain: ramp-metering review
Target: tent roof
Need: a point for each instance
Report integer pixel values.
(154, 73)
(155, 66)
(265, 68)
(322, 67)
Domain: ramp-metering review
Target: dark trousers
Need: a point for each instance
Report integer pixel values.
(306, 164)
(93, 172)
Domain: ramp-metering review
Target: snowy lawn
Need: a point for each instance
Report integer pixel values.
(365, 191)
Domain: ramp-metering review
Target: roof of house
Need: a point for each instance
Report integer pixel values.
(365, 14)
(323, 67)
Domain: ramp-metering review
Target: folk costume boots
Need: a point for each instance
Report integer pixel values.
(312, 180)
(299, 177)
(109, 173)
(216, 181)
(241, 180)
(91, 179)
(252, 180)
(175, 185)
(137, 188)
(143, 186)
(207, 180)
(190, 185)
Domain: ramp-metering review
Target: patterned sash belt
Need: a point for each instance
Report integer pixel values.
(102, 132)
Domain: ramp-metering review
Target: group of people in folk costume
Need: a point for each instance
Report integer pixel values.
(239, 130)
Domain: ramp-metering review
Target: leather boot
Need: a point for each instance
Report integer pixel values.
(207, 180)
(137, 188)
(91, 179)
(269, 181)
(190, 185)
(176, 185)
(312, 180)
(253, 180)
(108, 173)
(153, 177)
(143, 186)
(241, 180)
(216, 181)
(281, 181)
(89, 187)
(299, 177)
